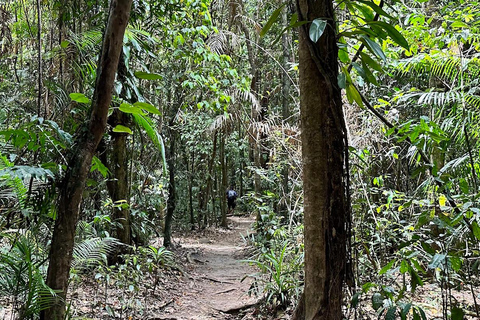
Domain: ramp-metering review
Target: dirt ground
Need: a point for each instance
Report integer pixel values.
(215, 287)
(206, 282)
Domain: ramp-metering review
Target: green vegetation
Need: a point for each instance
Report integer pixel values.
(207, 96)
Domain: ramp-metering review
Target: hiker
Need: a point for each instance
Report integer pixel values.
(231, 196)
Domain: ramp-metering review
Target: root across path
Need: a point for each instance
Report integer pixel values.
(214, 272)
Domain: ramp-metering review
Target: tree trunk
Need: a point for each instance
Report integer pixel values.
(167, 235)
(323, 150)
(81, 157)
(118, 186)
(223, 183)
(118, 165)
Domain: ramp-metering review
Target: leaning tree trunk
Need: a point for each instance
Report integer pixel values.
(323, 150)
(73, 184)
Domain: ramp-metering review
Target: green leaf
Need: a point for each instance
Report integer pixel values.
(157, 140)
(271, 20)
(122, 129)
(128, 108)
(456, 263)
(437, 261)
(369, 75)
(355, 298)
(353, 95)
(394, 34)
(374, 47)
(370, 62)
(457, 313)
(387, 267)
(148, 76)
(342, 80)
(79, 97)
(64, 44)
(405, 310)
(404, 266)
(147, 107)
(98, 165)
(377, 301)
(391, 313)
(476, 230)
(376, 8)
(459, 24)
(316, 29)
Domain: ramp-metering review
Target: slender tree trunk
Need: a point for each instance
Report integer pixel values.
(81, 157)
(167, 235)
(285, 109)
(190, 190)
(223, 182)
(39, 58)
(118, 164)
(323, 150)
(208, 188)
(118, 186)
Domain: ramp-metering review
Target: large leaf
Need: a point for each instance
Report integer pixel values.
(316, 29)
(271, 20)
(157, 140)
(128, 108)
(476, 230)
(147, 107)
(148, 76)
(374, 47)
(122, 129)
(394, 34)
(79, 97)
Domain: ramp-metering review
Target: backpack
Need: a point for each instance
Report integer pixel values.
(232, 194)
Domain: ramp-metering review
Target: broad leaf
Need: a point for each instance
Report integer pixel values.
(157, 140)
(387, 267)
(147, 107)
(374, 47)
(148, 76)
(122, 129)
(316, 29)
(79, 97)
(128, 108)
(394, 34)
(271, 20)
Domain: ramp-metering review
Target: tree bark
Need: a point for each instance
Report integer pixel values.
(118, 186)
(81, 157)
(323, 150)
(118, 165)
(223, 182)
(167, 234)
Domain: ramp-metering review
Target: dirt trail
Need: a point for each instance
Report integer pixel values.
(214, 289)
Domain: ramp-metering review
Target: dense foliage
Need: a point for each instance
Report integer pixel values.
(206, 97)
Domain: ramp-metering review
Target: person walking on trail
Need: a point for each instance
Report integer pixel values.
(231, 197)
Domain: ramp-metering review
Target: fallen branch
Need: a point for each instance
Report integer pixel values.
(226, 291)
(216, 280)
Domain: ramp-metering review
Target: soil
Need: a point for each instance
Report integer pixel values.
(209, 280)
(217, 284)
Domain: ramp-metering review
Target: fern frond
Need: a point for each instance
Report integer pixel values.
(90, 252)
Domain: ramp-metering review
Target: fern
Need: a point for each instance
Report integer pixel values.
(90, 252)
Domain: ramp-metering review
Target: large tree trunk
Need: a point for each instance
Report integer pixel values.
(81, 157)
(323, 150)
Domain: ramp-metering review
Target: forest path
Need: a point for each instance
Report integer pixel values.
(214, 270)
